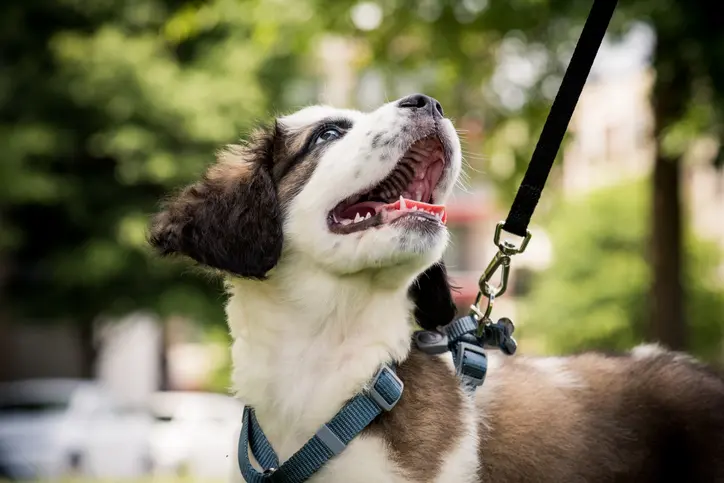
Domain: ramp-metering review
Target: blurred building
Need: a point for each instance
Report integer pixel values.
(612, 142)
(611, 137)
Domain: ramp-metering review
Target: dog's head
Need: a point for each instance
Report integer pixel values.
(351, 192)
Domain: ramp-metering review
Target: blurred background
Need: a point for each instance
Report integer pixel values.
(114, 365)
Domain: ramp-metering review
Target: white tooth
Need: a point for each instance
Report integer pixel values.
(346, 222)
(367, 217)
(402, 203)
(414, 208)
(418, 195)
(358, 218)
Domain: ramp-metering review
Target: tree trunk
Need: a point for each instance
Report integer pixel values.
(671, 94)
(668, 325)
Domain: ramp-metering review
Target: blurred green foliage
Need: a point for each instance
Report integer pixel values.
(107, 106)
(594, 295)
(218, 380)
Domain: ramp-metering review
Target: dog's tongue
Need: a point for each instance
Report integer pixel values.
(390, 211)
(361, 209)
(403, 204)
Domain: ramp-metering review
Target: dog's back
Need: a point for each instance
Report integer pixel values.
(651, 416)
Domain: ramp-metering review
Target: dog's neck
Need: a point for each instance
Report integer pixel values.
(305, 341)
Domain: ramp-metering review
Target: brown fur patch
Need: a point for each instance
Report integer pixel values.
(233, 166)
(224, 223)
(657, 419)
(296, 178)
(419, 430)
(231, 219)
(650, 420)
(294, 141)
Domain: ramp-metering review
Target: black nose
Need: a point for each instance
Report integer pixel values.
(421, 101)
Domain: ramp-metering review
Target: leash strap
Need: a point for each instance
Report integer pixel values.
(558, 118)
(330, 440)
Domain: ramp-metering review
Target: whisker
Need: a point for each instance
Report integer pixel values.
(469, 151)
(463, 186)
(476, 170)
(475, 157)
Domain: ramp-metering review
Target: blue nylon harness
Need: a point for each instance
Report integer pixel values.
(459, 337)
(331, 439)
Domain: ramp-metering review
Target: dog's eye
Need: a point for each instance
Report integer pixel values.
(328, 135)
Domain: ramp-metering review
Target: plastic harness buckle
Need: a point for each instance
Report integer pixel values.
(471, 363)
(386, 388)
(431, 342)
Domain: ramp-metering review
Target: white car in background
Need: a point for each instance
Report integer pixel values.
(51, 428)
(194, 433)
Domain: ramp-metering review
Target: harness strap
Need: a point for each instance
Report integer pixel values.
(330, 440)
(558, 118)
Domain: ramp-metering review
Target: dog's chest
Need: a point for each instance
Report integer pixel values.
(430, 436)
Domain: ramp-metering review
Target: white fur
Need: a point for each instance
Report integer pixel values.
(653, 350)
(645, 351)
(335, 307)
(558, 370)
(353, 165)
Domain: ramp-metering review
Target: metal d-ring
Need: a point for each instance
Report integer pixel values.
(507, 247)
(475, 310)
(501, 261)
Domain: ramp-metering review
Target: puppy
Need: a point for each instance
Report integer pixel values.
(329, 227)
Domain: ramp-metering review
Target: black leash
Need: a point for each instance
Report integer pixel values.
(467, 336)
(543, 156)
(558, 118)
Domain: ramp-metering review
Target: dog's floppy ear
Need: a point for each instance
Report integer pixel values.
(432, 294)
(230, 219)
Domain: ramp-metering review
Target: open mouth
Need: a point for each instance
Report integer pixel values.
(406, 192)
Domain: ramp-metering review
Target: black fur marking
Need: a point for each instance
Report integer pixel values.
(230, 220)
(432, 294)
